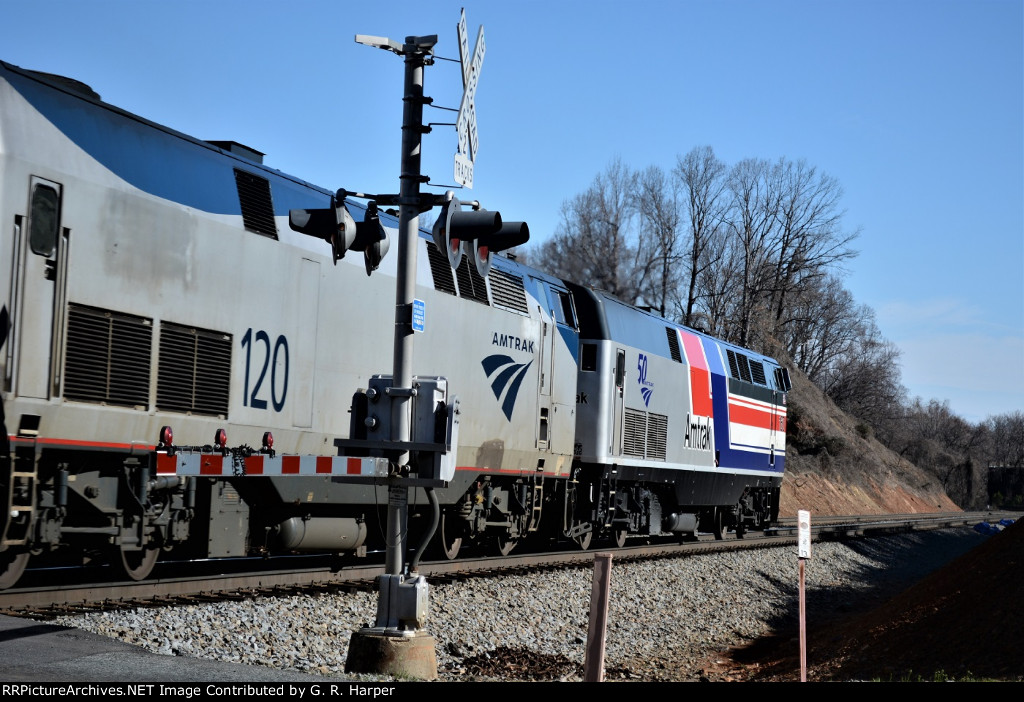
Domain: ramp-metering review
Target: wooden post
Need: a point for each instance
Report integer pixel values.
(593, 664)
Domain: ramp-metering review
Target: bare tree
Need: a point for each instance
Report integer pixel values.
(809, 239)
(658, 209)
(717, 287)
(824, 326)
(866, 380)
(702, 177)
(595, 243)
(755, 195)
(1006, 440)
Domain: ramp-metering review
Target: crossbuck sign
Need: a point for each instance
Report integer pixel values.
(466, 123)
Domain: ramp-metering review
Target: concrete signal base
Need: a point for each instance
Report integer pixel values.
(408, 657)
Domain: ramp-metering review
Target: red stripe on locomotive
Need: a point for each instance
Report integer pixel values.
(700, 376)
(752, 416)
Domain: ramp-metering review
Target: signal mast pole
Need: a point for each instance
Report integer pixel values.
(383, 648)
(416, 51)
(397, 644)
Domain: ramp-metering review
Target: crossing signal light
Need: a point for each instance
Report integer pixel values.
(510, 235)
(455, 227)
(336, 226)
(477, 232)
(372, 238)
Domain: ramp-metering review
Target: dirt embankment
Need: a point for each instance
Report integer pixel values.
(962, 622)
(834, 465)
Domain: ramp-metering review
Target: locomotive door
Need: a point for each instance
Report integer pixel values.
(544, 361)
(773, 423)
(617, 403)
(41, 273)
(778, 427)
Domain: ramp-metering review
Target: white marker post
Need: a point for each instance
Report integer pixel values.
(803, 548)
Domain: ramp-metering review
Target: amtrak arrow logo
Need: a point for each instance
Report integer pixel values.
(507, 377)
(646, 394)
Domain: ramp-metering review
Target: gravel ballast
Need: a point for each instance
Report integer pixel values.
(666, 616)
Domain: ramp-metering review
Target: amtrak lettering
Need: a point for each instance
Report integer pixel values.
(510, 341)
(698, 432)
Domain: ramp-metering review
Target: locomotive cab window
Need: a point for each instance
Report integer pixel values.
(564, 313)
(44, 220)
(588, 357)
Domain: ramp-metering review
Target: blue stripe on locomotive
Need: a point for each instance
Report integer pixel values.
(729, 457)
(192, 172)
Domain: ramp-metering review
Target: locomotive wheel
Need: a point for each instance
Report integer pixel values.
(505, 543)
(134, 565)
(450, 544)
(12, 565)
(583, 540)
(619, 537)
(719, 529)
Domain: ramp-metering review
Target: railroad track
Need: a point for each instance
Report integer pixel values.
(305, 575)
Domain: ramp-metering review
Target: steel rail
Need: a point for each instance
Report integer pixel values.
(167, 591)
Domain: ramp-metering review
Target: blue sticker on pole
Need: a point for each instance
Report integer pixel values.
(419, 315)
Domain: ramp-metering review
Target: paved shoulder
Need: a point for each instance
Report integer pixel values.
(37, 652)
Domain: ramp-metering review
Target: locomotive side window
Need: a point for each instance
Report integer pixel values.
(620, 369)
(588, 357)
(782, 380)
(44, 221)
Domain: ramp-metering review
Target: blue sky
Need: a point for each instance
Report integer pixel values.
(915, 106)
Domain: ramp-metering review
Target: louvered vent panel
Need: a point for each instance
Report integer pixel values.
(107, 357)
(657, 436)
(444, 280)
(757, 372)
(257, 205)
(733, 369)
(673, 344)
(213, 373)
(228, 494)
(634, 433)
(744, 366)
(507, 290)
(195, 370)
(471, 285)
(465, 282)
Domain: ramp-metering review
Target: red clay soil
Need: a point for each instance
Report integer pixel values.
(964, 622)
